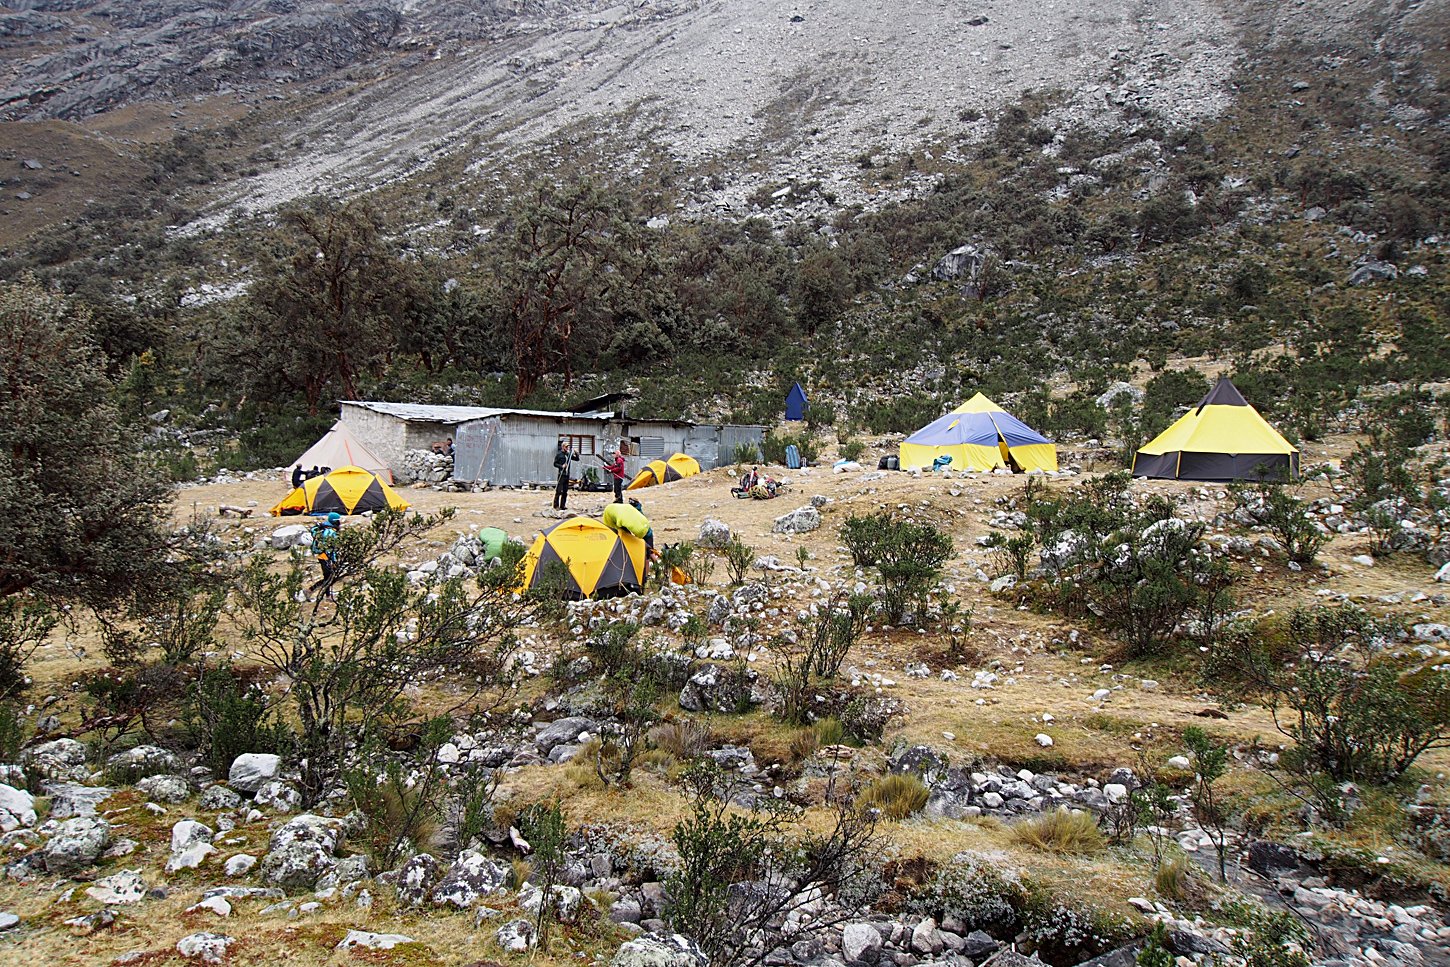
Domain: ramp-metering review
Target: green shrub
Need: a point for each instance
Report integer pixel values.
(896, 796)
(864, 535)
(745, 453)
(1354, 711)
(231, 716)
(738, 558)
(910, 564)
(1010, 555)
(772, 448)
(1155, 952)
(852, 450)
(1284, 514)
(12, 733)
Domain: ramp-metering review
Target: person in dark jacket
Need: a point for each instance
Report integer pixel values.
(561, 463)
(297, 476)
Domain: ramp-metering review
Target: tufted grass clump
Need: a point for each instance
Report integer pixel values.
(1061, 831)
(897, 796)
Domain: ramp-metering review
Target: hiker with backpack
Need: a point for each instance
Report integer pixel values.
(324, 533)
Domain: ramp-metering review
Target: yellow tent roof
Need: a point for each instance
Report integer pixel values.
(663, 471)
(595, 559)
(1222, 438)
(346, 490)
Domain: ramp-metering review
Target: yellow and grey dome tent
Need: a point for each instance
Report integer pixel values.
(979, 435)
(663, 471)
(1223, 438)
(596, 560)
(346, 490)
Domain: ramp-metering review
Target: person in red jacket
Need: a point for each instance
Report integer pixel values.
(615, 466)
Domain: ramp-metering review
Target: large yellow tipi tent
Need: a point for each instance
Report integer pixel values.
(1223, 438)
(979, 435)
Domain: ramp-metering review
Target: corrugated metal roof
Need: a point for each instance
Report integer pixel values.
(430, 413)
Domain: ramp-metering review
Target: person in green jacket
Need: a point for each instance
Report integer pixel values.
(629, 517)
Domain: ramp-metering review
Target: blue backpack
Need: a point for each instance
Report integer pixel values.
(792, 457)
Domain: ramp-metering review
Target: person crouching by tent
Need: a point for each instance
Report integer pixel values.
(615, 466)
(297, 476)
(323, 534)
(630, 517)
(561, 463)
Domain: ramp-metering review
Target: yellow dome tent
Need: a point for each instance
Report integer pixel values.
(596, 560)
(1223, 438)
(663, 471)
(979, 435)
(346, 490)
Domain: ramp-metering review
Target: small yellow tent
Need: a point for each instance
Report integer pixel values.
(1223, 438)
(979, 435)
(346, 490)
(663, 471)
(596, 560)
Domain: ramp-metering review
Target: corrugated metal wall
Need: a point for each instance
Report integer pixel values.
(731, 436)
(512, 449)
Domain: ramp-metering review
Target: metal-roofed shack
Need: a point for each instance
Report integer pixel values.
(509, 447)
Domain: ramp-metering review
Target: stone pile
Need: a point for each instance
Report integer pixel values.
(425, 466)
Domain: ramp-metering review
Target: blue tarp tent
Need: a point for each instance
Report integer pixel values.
(979, 435)
(796, 403)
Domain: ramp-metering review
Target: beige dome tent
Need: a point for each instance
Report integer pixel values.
(339, 448)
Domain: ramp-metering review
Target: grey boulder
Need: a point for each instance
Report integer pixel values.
(165, 788)
(251, 770)
(802, 520)
(471, 878)
(563, 731)
(75, 844)
(652, 951)
(302, 851)
(861, 942)
(219, 798)
(147, 760)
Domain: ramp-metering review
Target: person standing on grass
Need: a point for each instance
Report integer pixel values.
(561, 463)
(615, 466)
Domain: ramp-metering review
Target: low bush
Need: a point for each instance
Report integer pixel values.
(1060, 831)
(1285, 516)
(852, 450)
(971, 889)
(745, 453)
(772, 448)
(896, 796)
(1354, 710)
(738, 558)
(864, 535)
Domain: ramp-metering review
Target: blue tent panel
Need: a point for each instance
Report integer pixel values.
(796, 403)
(1015, 432)
(955, 429)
